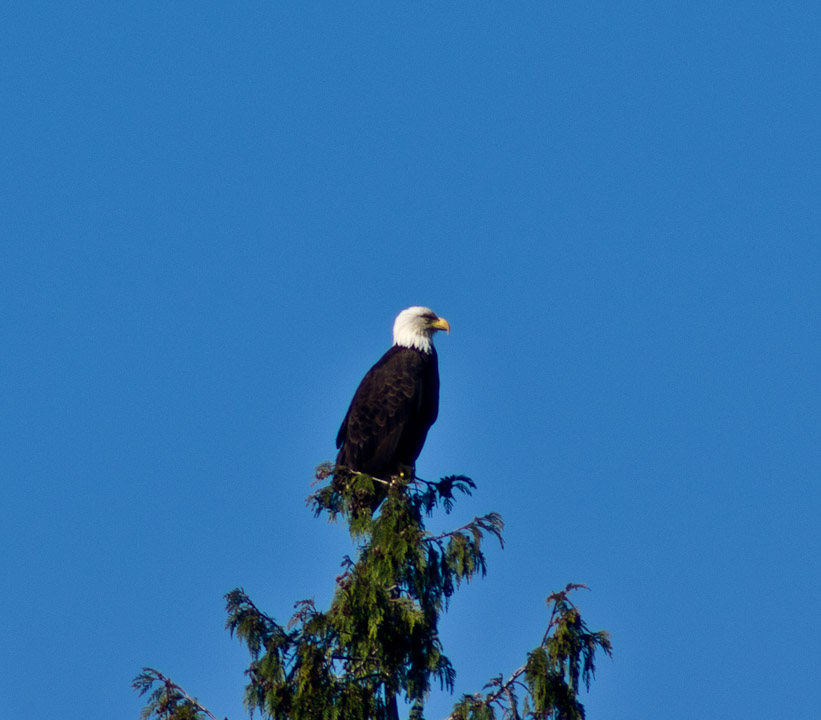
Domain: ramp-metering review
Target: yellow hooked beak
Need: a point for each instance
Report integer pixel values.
(441, 324)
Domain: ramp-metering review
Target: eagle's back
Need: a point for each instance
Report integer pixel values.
(390, 414)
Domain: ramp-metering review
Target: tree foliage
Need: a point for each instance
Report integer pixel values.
(379, 639)
(550, 679)
(167, 700)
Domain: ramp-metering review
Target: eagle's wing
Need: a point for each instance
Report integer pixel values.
(388, 399)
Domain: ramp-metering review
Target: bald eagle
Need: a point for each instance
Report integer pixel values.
(396, 403)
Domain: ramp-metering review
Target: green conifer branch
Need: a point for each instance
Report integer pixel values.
(168, 701)
(550, 677)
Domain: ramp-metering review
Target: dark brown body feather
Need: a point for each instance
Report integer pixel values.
(389, 417)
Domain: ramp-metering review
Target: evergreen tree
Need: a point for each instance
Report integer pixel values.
(379, 640)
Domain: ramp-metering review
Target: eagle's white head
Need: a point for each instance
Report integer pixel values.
(415, 326)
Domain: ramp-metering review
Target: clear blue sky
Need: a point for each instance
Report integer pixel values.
(211, 213)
